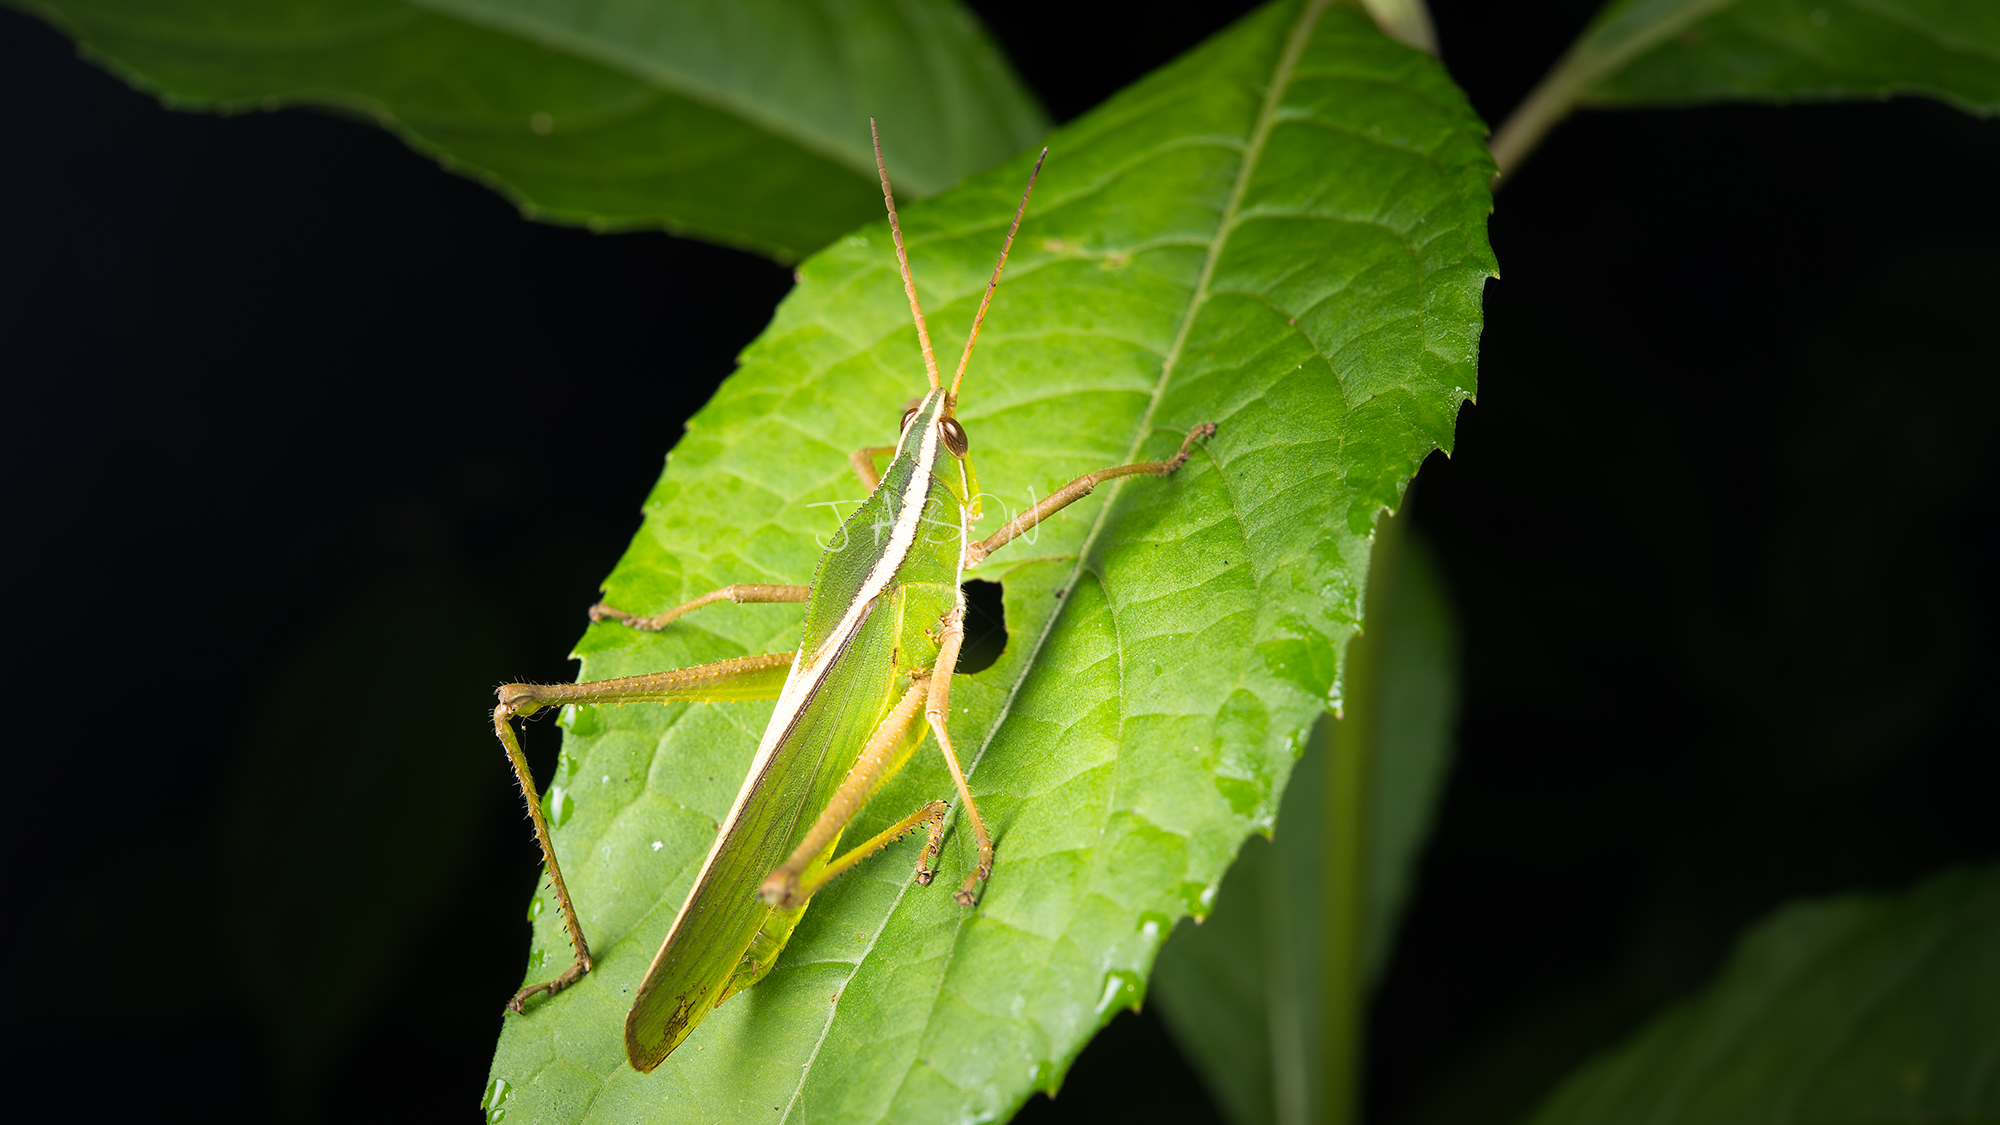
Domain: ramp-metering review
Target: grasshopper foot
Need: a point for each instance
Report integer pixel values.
(969, 893)
(1202, 432)
(602, 612)
(569, 976)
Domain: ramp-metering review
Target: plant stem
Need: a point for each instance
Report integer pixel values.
(1603, 49)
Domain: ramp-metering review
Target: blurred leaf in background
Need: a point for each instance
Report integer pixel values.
(1653, 52)
(323, 788)
(1683, 52)
(1865, 1007)
(743, 122)
(1244, 990)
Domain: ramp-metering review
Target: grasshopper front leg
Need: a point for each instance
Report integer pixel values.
(1078, 489)
(863, 460)
(938, 714)
(938, 710)
(747, 677)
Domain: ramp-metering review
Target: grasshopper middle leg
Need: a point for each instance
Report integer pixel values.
(740, 593)
(888, 748)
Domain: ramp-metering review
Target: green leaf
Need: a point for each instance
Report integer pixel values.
(1239, 991)
(1782, 50)
(1679, 52)
(743, 122)
(1284, 233)
(1858, 1008)
(1413, 735)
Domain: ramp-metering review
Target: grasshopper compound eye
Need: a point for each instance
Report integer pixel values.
(907, 415)
(954, 436)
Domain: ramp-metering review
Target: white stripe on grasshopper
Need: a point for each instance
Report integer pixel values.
(806, 677)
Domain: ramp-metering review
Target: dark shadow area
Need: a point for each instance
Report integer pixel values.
(1076, 55)
(1722, 526)
(311, 443)
(1743, 654)
(985, 626)
(1130, 1072)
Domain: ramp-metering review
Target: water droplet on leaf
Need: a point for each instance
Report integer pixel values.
(1122, 989)
(494, 1100)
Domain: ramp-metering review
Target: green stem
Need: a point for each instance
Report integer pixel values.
(1603, 48)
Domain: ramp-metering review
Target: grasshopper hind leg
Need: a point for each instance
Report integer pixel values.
(503, 725)
(745, 677)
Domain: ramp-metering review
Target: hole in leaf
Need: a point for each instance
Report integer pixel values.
(985, 627)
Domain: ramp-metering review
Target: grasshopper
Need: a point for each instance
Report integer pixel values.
(884, 622)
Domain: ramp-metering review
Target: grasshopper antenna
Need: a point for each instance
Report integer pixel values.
(997, 267)
(903, 260)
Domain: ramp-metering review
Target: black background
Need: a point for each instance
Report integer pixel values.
(287, 405)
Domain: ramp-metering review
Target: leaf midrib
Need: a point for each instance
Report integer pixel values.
(1267, 116)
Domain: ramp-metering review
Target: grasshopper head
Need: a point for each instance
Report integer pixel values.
(935, 409)
(949, 431)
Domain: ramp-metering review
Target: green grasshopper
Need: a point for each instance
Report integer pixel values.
(884, 622)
